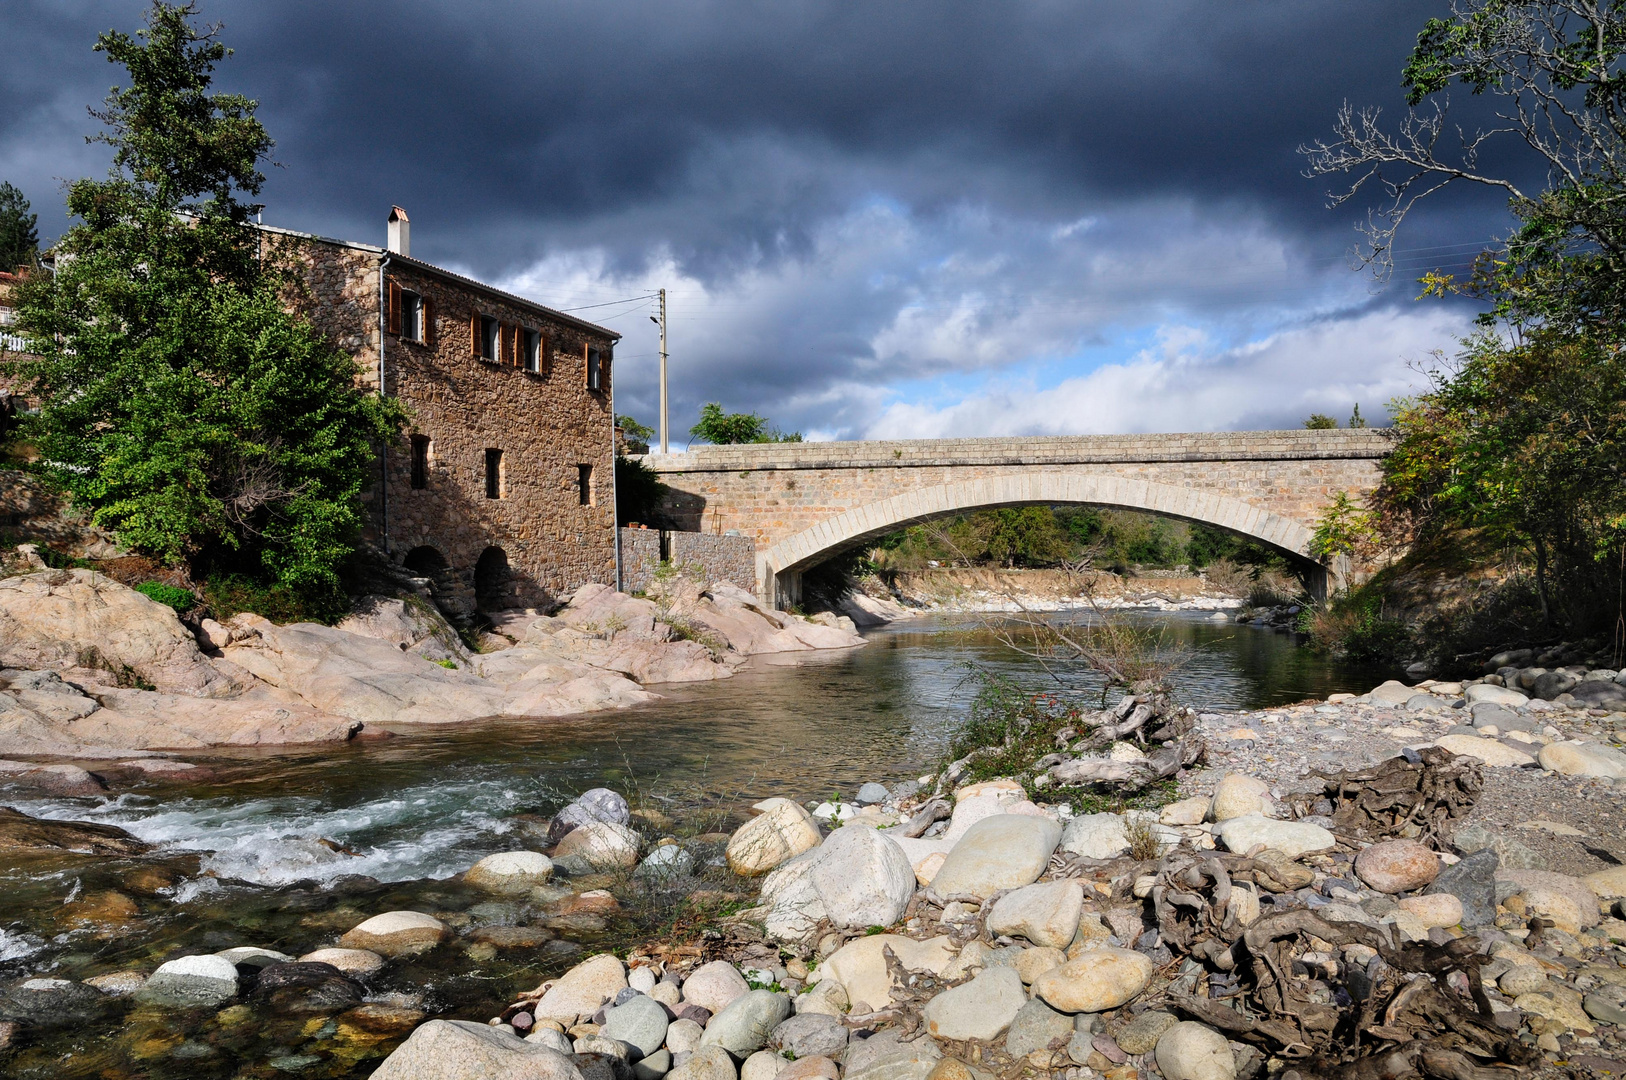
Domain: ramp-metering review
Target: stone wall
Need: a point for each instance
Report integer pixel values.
(703, 556)
(640, 555)
(538, 538)
(719, 558)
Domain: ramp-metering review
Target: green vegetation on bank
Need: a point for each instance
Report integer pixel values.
(181, 403)
(1507, 483)
(726, 429)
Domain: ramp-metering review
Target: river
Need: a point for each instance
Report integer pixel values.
(413, 810)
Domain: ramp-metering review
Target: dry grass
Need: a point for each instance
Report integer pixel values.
(1273, 588)
(1144, 843)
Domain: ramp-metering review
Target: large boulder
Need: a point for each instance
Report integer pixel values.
(860, 965)
(1396, 866)
(604, 844)
(863, 878)
(410, 624)
(810, 1034)
(1098, 980)
(1191, 1051)
(885, 1056)
(79, 619)
(1294, 838)
(1238, 794)
(19, 832)
(744, 1025)
(397, 933)
(464, 1050)
(1005, 851)
(781, 831)
(1583, 759)
(1045, 914)
(1096, 836)
(1495, 695)
(979, 1009)
(583, 989)
(511, 873)
(594, 804)
(715, 986)
(639, 1021)
(191, 982)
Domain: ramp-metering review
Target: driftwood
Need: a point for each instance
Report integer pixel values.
(935, 810)
(1420, 799)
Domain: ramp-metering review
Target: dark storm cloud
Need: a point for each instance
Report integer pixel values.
(870, 194)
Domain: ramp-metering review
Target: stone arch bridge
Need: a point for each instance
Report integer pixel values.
(802, 503)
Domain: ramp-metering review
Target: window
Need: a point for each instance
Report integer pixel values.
(486, 334)
(597, 367)
(584, 484)
(420, 461)
(493, 474)
(533, 352)
(411, 316)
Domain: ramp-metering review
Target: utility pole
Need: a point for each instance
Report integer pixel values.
(663, 371)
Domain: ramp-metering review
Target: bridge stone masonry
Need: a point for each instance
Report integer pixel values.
(802, 503)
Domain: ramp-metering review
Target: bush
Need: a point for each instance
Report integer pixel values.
(173, 595)
(231, 594)
(1356, 625)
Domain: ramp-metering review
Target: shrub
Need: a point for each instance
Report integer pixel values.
(173, 595)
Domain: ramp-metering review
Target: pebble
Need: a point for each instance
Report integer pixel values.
(1396, 866)
(1192, 1051)
(979, 1009)
(1100, 979)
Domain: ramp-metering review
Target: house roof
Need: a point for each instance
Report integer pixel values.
(441, 271)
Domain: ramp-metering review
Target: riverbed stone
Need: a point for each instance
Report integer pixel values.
(745, 1024)
(1608, 884)
(300, 988)
(683, 1035)
(464, 1050)
(1433, 909)
(652, 1067)
(1005, 851)
(714, 986)
(1491, 752)
(640, 1021)
(190, 982)
(979, 1009)
(667, 862)
(863, 878)
(595, 804)
(1031, 963)
(511, 873)
(1292, 838)
(603, 845)
(817, 1067)
(1558, 1008)
(884, 1056)
(1035, 1026)
(1192, 1051)
(781, 831)
(1472, 881)
(860, 966)
(762, 1065)
(1585, 900)
(828, 997)
(1238, 794)
(583, 989)
(1192, 811)
(1140, 1035)
(1396, 866)
(1100, 979)
(1096, 836)
(871, 793)
(1496, 695)
(1551, 904)
(705, 1063)
(810, 1034)
(1045, 913)
(357, 963)
(1391, 693)
(1583, 759)
(397, 933)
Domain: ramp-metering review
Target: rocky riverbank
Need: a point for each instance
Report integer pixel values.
(907, 595)
(91, 669)
(1421, 879)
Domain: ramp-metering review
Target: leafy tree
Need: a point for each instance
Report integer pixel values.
(19, 240)
(182, 403)
(1343, 528)
(1356, 420)
(1022, 536)
(638, 493)
(636, 434)
(1320, 422)
(725, 428)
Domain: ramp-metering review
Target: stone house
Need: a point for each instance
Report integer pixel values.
(502, 489)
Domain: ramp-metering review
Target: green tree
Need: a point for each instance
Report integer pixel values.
(1022, 536)
(638, 493)
(182, 403)
(636, 434)
(19, 239)
(1320, 422)
(726, 428)
(1356, 420)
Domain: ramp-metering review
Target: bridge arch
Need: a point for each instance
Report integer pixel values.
(779, 567)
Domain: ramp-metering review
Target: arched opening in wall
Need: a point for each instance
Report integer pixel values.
(492, 591)
(426, 562)
(1050, 552)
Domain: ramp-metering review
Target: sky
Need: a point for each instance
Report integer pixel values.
(877, 220)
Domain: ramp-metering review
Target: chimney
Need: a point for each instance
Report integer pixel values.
(400, 232)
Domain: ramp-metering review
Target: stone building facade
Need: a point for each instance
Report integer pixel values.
(502, 488)
(703, 556)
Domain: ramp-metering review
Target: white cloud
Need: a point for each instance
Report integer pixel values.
(1184, 383)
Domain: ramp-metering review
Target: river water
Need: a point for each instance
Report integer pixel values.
(413, 809)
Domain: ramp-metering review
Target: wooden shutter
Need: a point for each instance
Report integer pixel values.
(394, 317)
(587, 369)
(604, 370)
(541, 353)
(427, 314)
(510, 345)
(474, 333)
